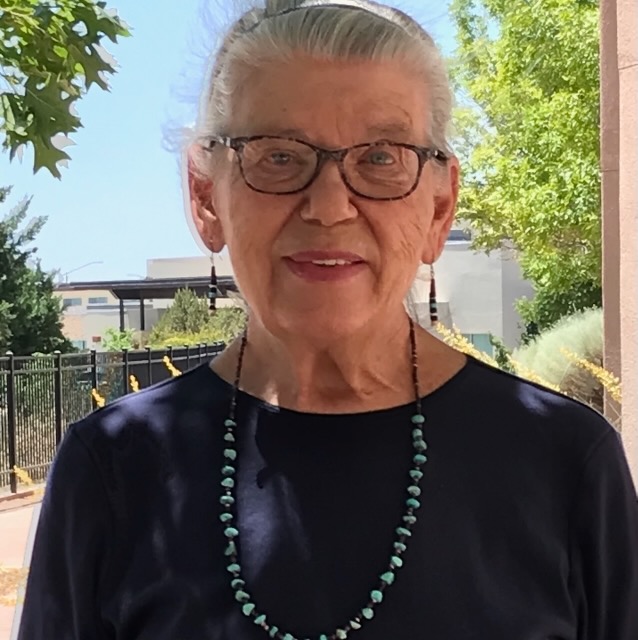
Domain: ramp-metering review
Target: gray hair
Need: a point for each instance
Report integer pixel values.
(346, 29)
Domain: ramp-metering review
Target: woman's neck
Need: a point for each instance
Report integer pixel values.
(367, 371)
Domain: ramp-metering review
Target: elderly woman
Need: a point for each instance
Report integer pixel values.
(337, 471)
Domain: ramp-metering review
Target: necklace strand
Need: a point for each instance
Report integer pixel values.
(403, 531)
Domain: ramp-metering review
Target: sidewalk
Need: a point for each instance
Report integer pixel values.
(15, 527)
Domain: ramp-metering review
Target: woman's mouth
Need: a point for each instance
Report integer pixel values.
(325, 266)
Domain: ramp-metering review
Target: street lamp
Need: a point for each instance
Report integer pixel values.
(88, 264)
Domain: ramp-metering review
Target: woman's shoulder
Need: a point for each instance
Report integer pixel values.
(187, 402)
(531, 412)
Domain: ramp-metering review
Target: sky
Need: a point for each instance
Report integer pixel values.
(120, 201)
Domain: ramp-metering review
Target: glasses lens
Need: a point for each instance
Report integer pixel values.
(382, 170)
(277, 165)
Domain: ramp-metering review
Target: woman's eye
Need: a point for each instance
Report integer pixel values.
(379, 158)
(279, 158)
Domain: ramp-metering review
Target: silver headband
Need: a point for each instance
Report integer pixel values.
(317, 4)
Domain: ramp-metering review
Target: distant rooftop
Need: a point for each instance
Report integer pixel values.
(151, 288)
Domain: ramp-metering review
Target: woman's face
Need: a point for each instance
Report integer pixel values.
(275, 241)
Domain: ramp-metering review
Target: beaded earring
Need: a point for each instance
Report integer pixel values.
(213, 291)
(434, 309)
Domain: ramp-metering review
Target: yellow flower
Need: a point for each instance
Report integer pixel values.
(99, 400)
(135, 385)
(174, 371)
(455, 339)
(23, 476)
(532, 376)
(606, 378)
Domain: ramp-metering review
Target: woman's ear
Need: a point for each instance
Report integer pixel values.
(447, 193)
(202, 209)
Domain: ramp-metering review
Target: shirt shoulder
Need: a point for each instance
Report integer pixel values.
(512, 407)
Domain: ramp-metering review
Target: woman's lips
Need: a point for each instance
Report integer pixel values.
(325, 266)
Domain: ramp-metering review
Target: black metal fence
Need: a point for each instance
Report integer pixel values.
(41, 395)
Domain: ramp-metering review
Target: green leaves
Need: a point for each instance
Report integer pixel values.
(30, 311)
(50, 57)
(527, 75)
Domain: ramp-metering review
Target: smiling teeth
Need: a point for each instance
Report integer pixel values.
(331, 263)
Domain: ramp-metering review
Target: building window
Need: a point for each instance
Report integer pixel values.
(71, 302)
(80, 345)
(100, 300)
(481, 341)
(459, 235)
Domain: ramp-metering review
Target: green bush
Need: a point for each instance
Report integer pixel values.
(580, 334)
(223, 326)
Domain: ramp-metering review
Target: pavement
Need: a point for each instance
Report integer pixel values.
(18, 518)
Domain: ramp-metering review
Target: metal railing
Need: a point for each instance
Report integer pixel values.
(40, 396)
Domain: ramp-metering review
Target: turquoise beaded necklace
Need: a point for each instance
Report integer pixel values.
(403, 532)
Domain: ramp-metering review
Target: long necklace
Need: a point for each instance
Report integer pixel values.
(403, 532)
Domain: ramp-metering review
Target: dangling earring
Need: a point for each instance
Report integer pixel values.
(434, 310)
(213, 291)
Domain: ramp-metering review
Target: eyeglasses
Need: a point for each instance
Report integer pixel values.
(377, 170)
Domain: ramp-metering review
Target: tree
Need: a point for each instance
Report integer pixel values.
(30, 312)
(50, 56)
(527, 79)
(189, 322)
(187, 315)
(116, 340)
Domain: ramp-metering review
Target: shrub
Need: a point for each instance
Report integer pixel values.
(580, 334)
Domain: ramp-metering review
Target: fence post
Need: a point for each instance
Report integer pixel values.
(93, 376)
(188, 356)
(125, 370)
(57, 396)
(11, 421)
(199, 353)
(149, 366)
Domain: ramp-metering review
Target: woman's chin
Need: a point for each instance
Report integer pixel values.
(319, 326)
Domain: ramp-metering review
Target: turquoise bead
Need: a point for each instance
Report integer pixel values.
(414, 491)
(409, 519)
(420, 445)
(418, 419)
(417, 434)
(274, 631)
(228, 483)
(341, 634)
(242, 596)
(402, 531)
(355, 625)
(229, 437)
(413, 503)
(230, 423)
(231, 532)
(248, 608)
(396, 562)
(227, 501)
(419, 458)
(376, 596)
(367, 613)
(228, 470)
(237, 583)
(399, 546)
(230, 454)
(288, 636)
(260, 619)
(233, 568)
(323, 636)
(416, 474)
(226, 516)
(388, 577)
(231, 549)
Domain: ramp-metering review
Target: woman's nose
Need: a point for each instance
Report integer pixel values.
(328, 201)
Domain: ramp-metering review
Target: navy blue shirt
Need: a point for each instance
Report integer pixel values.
(528, 528)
